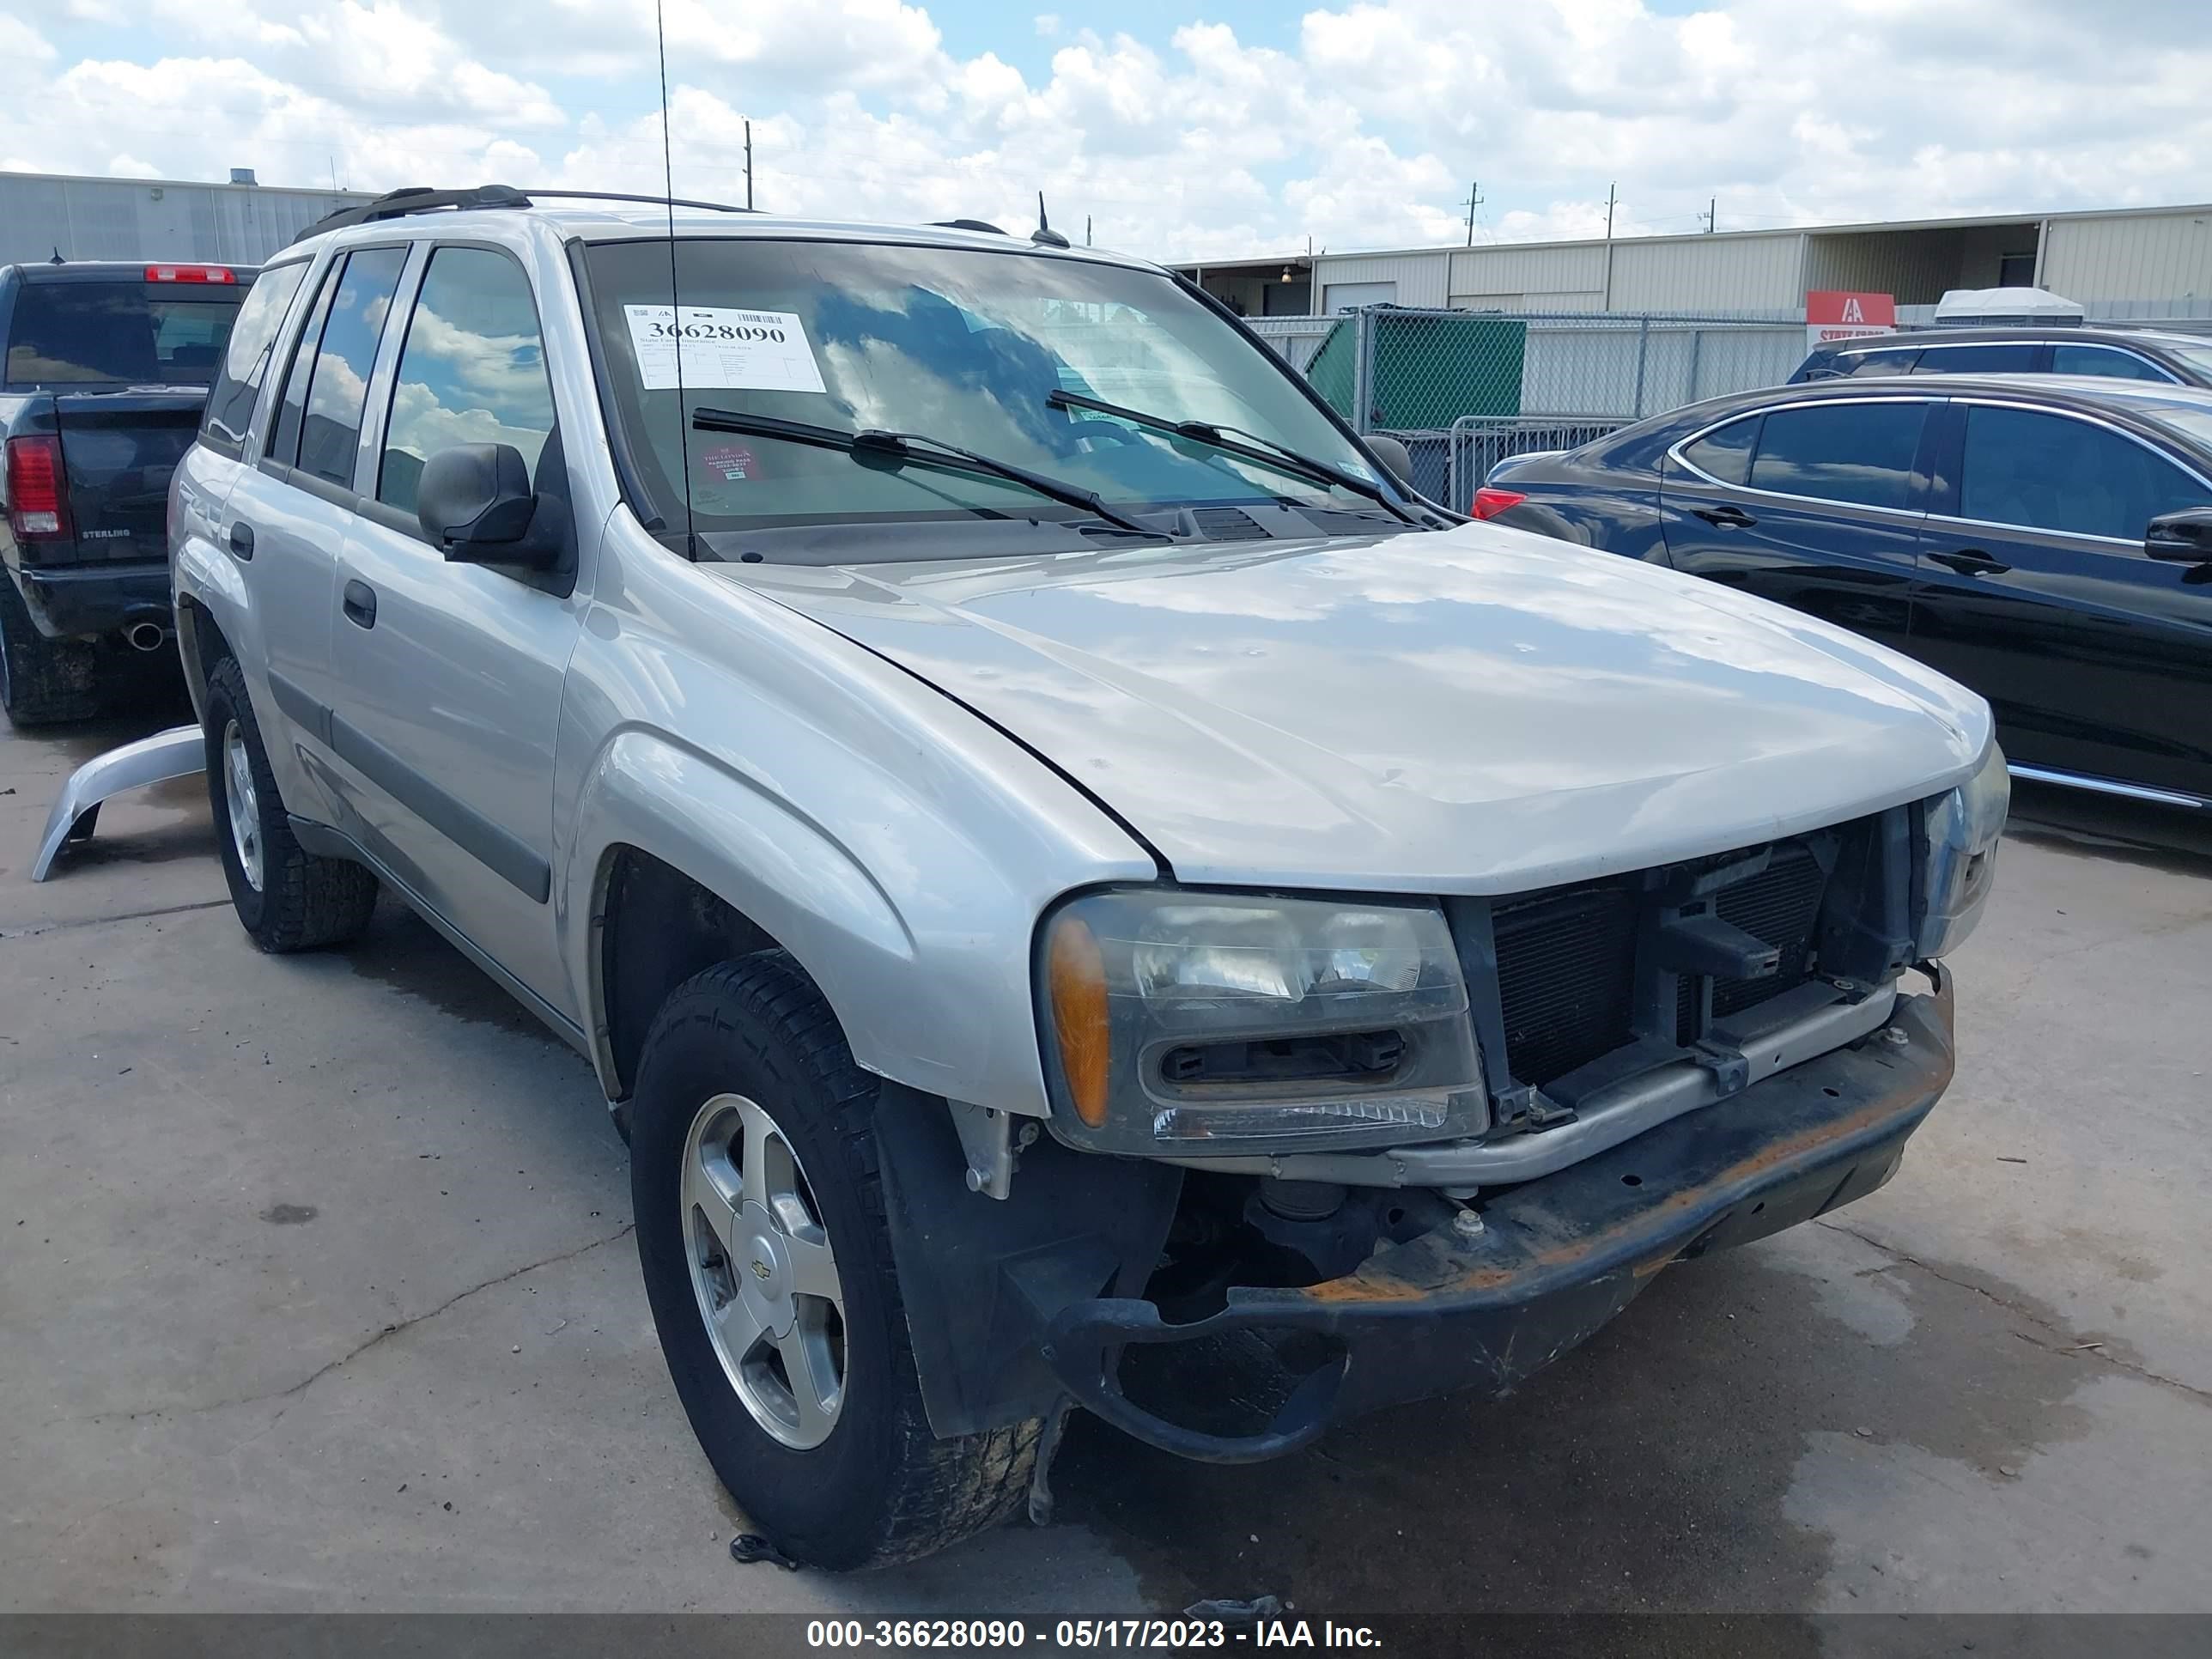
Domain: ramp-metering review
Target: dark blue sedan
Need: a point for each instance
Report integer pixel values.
(2045, 539)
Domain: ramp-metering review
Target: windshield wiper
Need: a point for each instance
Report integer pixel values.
(923, 450)
(1236, 440)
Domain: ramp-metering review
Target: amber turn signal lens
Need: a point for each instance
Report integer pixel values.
(1075, 975)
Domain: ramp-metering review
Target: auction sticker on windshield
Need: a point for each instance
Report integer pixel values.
(723, 349)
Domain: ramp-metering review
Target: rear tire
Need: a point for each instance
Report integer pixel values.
(42, 681)
(857, 1480)
(287, 898)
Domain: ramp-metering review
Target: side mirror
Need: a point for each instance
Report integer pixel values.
(1396, 459)
(476, 505)
(2183, 538)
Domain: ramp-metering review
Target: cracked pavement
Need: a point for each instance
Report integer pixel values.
(316, 1292)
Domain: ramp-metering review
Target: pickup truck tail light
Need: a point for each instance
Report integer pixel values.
(36, 509)
(190, 274)
(1490, 503)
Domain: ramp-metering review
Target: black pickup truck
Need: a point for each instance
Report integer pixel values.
(106, 371)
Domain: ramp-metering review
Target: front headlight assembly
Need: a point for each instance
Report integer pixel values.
(1959, 854)
(1196, 1023)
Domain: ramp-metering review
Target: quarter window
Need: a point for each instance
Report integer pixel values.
(284, 430)
(1861, 454)
(2103, 360)
(1725, 453)
(245, 358)
(472, 370)
(2045, 471)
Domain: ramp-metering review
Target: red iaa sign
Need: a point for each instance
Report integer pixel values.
(1832, 314)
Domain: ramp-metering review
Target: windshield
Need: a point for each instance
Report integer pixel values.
(72, 333)
(2192, 354)
(962, 345)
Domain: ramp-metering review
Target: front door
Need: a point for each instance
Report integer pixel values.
(450, 675)
(2034, 590)
(1816, 505)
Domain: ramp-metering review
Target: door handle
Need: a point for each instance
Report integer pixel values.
(361, 604)
(241, 540)
(1970, 561)
(1728, 518)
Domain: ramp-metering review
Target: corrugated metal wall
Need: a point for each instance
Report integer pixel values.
(1511, 279)
(2151, 256)
(142, 219)
(1709, 275)
(1419, 277)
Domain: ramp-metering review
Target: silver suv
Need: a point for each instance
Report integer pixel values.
(1079, 887)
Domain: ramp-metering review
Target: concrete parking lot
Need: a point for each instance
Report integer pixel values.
(316, 1292)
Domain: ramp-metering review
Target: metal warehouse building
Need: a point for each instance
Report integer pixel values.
(240, 223)
(2143, 262)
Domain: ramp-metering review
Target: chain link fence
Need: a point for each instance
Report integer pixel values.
(1462, 390)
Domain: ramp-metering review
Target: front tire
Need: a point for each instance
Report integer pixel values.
(287, 898)
(768, 1263)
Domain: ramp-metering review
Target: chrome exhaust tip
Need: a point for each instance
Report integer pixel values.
(146, 636)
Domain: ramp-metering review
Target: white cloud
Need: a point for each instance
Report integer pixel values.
(1363, 130)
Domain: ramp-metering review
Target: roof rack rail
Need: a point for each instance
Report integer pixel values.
(417, 198)
(627, 196)
(966, 224)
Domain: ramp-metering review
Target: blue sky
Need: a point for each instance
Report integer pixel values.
(1185, 128)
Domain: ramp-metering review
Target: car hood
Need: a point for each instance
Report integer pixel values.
(1477, 710)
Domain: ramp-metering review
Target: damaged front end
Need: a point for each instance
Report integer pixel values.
(1476, 1129)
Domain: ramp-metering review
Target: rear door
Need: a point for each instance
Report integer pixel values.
(288, 515)
(1815, 505)
(2035, 591)
(449, 676)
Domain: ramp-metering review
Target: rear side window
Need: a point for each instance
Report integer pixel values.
(1725, 453)
(1900, 361)
(1976, 360)
(472, 370)
(245, 358)
(2103, 360)
(2043, 472)
(330, 432)
(1861, 454)
(130, 333)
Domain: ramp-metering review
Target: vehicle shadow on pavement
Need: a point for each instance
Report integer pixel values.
(1675, 1462)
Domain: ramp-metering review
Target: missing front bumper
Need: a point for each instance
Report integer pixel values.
(1557, 1257)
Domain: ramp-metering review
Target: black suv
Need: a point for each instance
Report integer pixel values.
(2164, 356)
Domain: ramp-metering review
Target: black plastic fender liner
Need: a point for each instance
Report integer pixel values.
(1076, 1226)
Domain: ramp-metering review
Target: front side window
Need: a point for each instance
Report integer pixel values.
(2043, 472)
(330, 432)
(127, 333)
(2103, 360)
(1976, 360)
(472, 370)
(962, 345)
(246, 356)
(1861, 454)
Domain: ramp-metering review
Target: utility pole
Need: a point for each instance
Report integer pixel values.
(1086, 230)
(749, 166)
(1473, 201)
(1612, 197)
(1712, 216)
